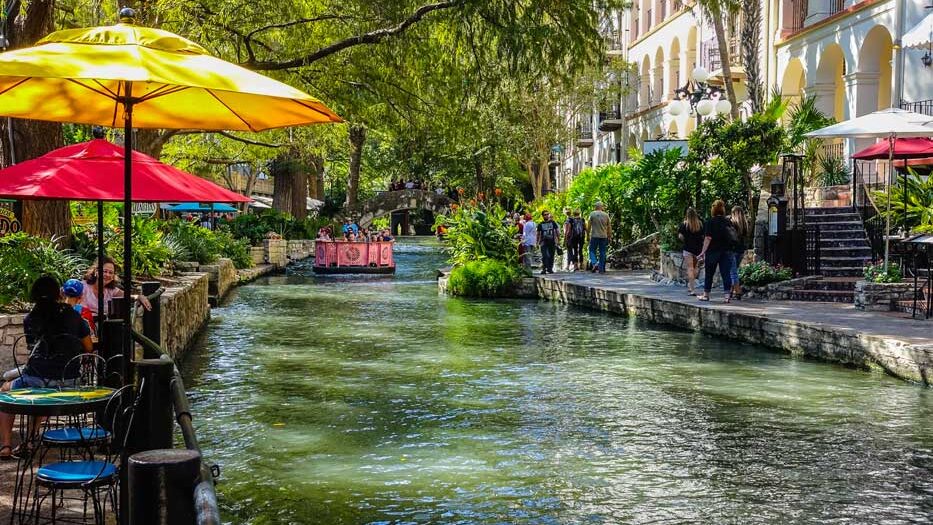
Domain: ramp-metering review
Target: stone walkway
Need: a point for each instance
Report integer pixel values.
(838, 332)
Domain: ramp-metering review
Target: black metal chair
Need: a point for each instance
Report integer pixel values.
(95, 477)
(80, 433)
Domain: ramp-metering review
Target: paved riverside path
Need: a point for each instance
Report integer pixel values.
(833, 331)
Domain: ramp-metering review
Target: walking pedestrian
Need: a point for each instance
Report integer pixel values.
(548, 237)
(599, 231)
(529, 240)
(574, 238)
(691, 234)
(718, 243)
(740, 223)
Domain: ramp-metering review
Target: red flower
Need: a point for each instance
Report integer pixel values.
(454, 206)
(498, 192)
(472, 202)
(461, 191)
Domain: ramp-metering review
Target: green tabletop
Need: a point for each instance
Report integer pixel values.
(51, 401)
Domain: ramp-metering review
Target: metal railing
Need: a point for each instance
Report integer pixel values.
(797, 14)
(585, 132)
(924, 107)
(865, 180)
(612, 112)
(206, 511)
(836, 6)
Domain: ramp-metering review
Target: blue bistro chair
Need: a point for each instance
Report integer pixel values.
(77, 435)
(95, 477)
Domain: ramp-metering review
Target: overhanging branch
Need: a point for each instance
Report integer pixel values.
(372, 37)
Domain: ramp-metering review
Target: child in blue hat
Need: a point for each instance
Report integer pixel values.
(73, 289)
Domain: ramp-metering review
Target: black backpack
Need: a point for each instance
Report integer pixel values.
(577, 230)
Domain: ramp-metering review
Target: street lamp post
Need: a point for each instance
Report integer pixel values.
(702, 100)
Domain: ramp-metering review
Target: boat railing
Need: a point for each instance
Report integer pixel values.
(341, 254)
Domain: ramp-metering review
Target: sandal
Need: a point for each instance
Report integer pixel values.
(703, 298)
(727, 299)
(6, 457)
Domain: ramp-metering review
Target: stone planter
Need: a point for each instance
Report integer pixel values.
(673, 271)
(881, 297)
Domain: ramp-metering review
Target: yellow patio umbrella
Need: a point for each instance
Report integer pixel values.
(144, 78)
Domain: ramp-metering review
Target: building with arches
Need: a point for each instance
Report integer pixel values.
(840, 51)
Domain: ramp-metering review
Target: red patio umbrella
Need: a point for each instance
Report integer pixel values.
(905, 149)
(93, 171)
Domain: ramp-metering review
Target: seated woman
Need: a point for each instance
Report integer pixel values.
(55, 333)
(111, 288)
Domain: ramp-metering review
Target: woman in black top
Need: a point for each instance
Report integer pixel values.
(690, 233)
(718, 245)
(55, 333)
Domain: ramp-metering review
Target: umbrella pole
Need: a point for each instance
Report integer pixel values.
(887, 227)
(128, 233)
(100, 272)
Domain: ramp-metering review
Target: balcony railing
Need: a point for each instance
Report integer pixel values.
(836, 6)
(924, 107)
(614, 41)
(832, 149)
(797, 13)
(585, 132)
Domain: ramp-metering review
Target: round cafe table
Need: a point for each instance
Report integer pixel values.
(44, 402)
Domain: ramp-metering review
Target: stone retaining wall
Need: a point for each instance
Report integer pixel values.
(276, 252)
(798, 338)
(185, 310)
(299, 249)
(642, 254)
(222, 275)
(11, 327)
(881, 297)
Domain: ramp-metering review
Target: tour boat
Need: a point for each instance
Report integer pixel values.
(353, 257)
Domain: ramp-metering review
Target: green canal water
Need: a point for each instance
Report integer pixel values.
(373, 400)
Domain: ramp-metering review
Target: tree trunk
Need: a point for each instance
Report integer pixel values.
(316, 176)
(717, 18)
(290, 186)
(34, 138)
(479, 176)
(151, 141)
(751, 40)
(357, 138)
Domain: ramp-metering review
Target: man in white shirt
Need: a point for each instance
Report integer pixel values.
(529, 240)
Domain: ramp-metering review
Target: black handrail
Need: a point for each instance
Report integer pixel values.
(206, 510)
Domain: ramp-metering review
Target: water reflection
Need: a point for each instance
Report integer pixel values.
(374, 400)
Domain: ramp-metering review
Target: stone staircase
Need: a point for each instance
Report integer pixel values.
(844, 247)
(826, 290)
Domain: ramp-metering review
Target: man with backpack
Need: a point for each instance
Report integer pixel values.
(548, 237)
(574, 239)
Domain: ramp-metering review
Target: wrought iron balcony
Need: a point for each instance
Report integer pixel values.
(610, 118)
(924, 107)
(584, 135)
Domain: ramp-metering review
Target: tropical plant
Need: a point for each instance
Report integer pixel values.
(761, 273)
(237, 250)
(833, 171)
(483, 278)
(876, 273)
(477, 232)
(152, 253)
(198, 242)
(24, 258)
(913, 211)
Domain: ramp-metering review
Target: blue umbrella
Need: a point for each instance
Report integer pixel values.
(197, 207)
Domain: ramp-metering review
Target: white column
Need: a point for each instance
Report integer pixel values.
(862, 97)
(825, 94)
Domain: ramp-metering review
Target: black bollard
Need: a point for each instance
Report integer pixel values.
(111, 350)
(154, 419)
(152, 320)
(161, 486)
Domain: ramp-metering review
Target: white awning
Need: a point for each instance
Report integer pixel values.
(919, 36)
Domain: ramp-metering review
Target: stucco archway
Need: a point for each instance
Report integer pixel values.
(830, 87)
(873, 78)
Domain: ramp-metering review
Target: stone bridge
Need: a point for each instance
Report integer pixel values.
(388, 201)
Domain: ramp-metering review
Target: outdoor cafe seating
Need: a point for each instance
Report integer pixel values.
(70, 442)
